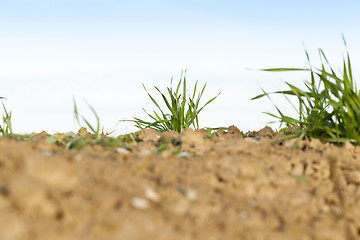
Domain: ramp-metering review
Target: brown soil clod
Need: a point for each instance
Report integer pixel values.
(265, 132)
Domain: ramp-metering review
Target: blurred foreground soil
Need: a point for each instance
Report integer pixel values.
(188, 186)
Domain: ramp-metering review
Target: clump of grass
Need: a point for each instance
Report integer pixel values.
(6, 127)
(183, 110)
(329, 107)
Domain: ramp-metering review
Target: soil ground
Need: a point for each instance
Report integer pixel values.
(188, 186)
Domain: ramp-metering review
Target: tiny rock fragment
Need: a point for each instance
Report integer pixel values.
(183, 154)
(140, 203)
(191, 194)
(152, 195)
(122, 151)
(181, 189)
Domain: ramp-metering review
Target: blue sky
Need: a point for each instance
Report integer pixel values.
(104, 50)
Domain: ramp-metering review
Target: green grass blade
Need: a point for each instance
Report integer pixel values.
(152, 99)
(97, 131)
(76, 112)
(209, 101)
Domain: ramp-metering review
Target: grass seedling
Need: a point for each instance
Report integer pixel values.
(77, 141)
(183, 110)
(95, 130)
(6, 127)
(329, 107)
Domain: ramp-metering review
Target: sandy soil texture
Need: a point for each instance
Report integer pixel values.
(191, 185)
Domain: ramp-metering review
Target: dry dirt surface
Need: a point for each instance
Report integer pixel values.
(188, 186)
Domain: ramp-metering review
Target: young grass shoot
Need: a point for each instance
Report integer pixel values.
(94, 128)
(183, 110)
(6, 127)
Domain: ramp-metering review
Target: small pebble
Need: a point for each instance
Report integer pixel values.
(181, 189)
(123, 151)
(152, 195)
(140, 203)
(183, 154)
(191, 194)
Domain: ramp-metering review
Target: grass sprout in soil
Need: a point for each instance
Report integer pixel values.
(83, 138)
(328, 107)
(6, 126)
(183, 110)
(94, 128)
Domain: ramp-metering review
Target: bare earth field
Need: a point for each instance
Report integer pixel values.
(188, 186)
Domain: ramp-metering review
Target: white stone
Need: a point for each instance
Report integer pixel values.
(191, 194)
(152, 195)
(140, 203)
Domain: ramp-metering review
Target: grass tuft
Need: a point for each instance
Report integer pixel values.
(328, 107)
(96, 129)
(6, 127)
(183, 110)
